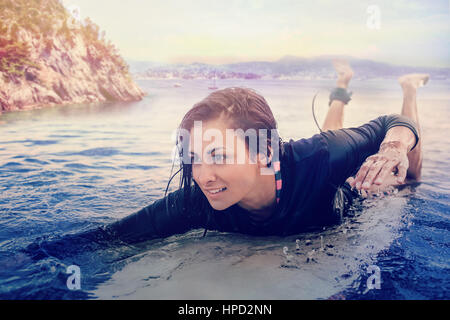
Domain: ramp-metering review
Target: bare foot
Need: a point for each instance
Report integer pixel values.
(344, 71)
(413, 80)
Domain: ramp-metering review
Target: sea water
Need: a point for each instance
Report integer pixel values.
(68, 169)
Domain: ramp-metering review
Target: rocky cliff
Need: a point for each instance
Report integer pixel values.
(48, 57)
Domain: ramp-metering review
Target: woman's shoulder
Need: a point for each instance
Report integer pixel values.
(305, 148)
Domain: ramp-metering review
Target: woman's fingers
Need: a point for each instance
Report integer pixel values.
(402, 170)
(350, 180)
(362, 172)
(376, 169)
(386, 171)
(373, 173)
(376, 172)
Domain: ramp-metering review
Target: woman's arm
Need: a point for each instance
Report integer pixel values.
(349, 148)
(391, 157)
(162, 218)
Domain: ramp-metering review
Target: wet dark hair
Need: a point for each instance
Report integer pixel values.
(244, 108)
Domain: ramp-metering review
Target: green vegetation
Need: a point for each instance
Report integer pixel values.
(14, 58)
(38, 16)
(103, 48)
(45, 20)
(66, 33)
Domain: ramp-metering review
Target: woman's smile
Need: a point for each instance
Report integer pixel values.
(215, 193)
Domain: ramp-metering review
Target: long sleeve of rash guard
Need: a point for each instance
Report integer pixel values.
(349, 148)
(164, 217)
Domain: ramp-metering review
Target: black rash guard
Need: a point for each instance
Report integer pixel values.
(311, 170)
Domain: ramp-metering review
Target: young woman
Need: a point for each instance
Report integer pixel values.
(304, 182)
(261, 185)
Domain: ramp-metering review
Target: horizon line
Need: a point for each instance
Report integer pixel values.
(244, 60)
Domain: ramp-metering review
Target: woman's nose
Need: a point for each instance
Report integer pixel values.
(205, 174)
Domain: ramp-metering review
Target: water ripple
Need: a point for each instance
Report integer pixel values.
(31, 142)
(74, 175)
(102, 152)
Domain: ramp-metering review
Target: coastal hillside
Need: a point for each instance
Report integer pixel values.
(48, 57)
(288, 67)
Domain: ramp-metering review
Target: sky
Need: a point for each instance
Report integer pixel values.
(415, 33)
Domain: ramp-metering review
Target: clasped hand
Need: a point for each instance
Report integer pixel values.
(392, 159)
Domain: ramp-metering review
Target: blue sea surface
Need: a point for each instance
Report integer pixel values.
(69, 169)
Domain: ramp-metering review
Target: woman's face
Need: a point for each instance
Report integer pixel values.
(221, 168)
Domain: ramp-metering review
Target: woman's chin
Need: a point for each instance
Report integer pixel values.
(219, 205)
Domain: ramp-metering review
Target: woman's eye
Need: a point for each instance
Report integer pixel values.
(219, 158)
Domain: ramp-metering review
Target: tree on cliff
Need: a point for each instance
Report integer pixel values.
(49, 57)
(46, 19)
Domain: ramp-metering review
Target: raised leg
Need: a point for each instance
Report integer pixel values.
(335, 116)
(410, 83)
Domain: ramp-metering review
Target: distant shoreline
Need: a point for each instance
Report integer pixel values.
(296, 68)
